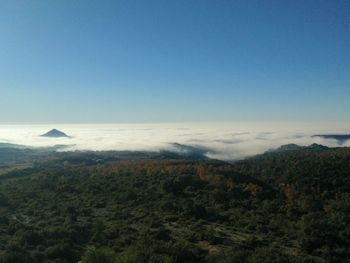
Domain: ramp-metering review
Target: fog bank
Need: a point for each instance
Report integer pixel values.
(226, 141)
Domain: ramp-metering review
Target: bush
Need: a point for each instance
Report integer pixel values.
(99, 255)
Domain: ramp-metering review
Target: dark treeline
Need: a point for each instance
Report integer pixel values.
(291, 206)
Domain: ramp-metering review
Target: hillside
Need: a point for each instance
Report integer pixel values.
(340, 138)
(290, 206)
(55, 134)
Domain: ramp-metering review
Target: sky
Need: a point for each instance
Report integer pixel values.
(104, 61)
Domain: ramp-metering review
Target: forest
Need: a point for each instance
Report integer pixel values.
(290, 205)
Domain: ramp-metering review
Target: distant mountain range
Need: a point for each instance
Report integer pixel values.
(189, 150)
(341, 138)
(176, 150)
(295, 147)
(14, 146)
(55, 134)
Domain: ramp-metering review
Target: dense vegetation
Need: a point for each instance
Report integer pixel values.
(283, 206)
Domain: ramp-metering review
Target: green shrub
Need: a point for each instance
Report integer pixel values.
(99, 255)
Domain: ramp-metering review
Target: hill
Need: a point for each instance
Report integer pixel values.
(284, 206)
(341, 138)
(295, 147)
(55, 134)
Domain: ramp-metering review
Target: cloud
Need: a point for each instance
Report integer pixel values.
(226, 141)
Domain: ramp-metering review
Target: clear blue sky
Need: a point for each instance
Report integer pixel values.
(183, 60)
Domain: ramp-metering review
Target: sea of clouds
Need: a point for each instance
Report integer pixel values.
(226, 141)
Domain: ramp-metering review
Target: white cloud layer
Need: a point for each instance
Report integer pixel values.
(227, 141)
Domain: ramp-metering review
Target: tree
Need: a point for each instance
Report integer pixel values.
(99, 255)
